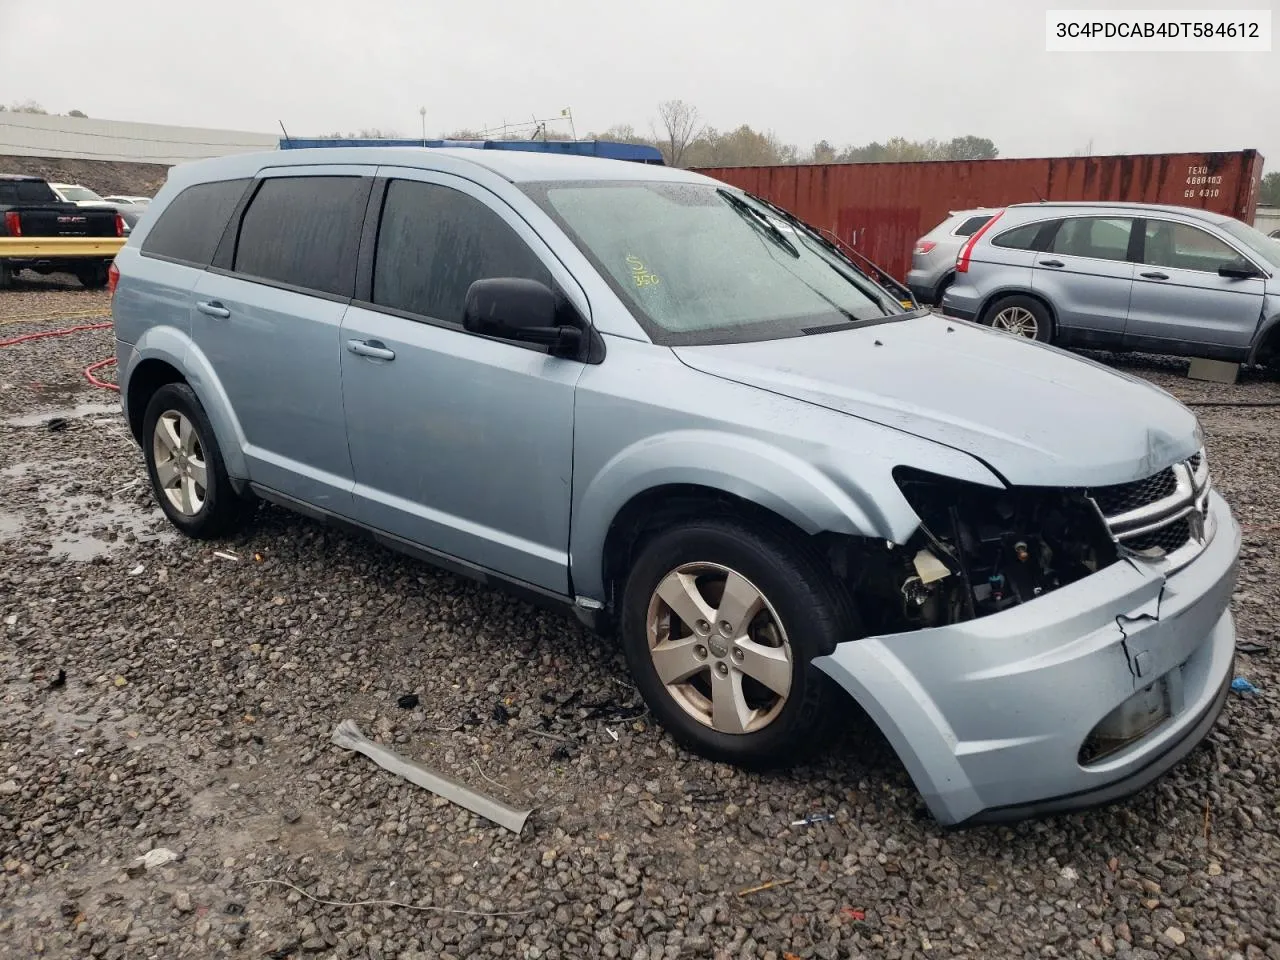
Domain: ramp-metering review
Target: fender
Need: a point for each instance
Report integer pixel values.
(743, 466)
(179, 351)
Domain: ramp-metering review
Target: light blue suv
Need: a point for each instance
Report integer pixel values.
(644, 396)
(1124, 276)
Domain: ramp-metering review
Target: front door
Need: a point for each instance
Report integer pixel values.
(1180, 303)
(460, 443)
(1088, 278)
(269, 327)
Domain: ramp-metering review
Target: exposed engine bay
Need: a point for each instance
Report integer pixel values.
(977, 551)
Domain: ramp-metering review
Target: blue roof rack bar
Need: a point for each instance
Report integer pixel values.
(635, 152)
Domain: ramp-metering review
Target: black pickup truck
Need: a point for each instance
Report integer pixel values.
(42, 233)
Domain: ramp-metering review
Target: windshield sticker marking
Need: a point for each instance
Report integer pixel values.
(640, 273)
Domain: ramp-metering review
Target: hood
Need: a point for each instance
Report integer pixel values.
(1036, 414)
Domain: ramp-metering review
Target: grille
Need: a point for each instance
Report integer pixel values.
(1194, 463)
(1124, 497)
(1168, 538)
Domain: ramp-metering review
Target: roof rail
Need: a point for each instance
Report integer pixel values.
(635, 152)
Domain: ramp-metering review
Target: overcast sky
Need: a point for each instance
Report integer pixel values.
(846, 71)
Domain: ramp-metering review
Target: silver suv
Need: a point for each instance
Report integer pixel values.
(1124, 276)
(933, 259)
(641, 395)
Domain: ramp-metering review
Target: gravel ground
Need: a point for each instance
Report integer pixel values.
(159, 697)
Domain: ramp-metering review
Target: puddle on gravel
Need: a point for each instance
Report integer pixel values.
(79, 411)
(79, 540)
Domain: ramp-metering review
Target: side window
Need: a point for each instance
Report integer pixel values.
(1019, 238)
(971, 226)
(434, 242)
(1183, 247)
(304, 232)
(189, 228)
(1097, 237)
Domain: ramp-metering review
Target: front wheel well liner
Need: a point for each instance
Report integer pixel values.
(144, 380)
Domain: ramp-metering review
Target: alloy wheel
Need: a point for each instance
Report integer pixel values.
(180, 464)
(1019, 321)
(719, 648)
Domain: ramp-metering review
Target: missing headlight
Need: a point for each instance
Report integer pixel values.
(980, 550)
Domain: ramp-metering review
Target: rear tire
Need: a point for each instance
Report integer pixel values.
(187, 474)
(93, 276)
(6, 274)
(736, 684)
(1021, 316)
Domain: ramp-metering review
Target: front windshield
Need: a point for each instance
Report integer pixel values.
(702, 264)
(76, 194)
(1266, 247)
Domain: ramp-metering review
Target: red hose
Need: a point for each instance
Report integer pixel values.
(105, 384)
(89, 370)
(53, 333)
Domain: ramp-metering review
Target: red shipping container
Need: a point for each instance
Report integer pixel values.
(883, 208)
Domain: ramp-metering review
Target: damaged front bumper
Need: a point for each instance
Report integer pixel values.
(992, 717)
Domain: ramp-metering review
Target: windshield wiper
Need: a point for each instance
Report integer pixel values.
(752, 215)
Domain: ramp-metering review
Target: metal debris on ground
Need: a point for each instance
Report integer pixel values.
(348, 736)
(813, 818)
(1241, 685)
(766, 886)
(225, 555)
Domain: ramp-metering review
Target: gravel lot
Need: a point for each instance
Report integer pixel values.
(158, 696)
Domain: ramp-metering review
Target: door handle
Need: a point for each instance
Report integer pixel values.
(370, 348)
(1052, 263)
(1155, 275)
(212, 308)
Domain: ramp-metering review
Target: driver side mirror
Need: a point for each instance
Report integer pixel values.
(1239, 269)
(512, 308)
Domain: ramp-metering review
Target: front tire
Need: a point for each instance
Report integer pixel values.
(720, 623)
(184, 463)
(1021, 316)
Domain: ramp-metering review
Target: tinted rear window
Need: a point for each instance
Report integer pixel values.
(1019, 238)
(972, 225)
(189, 228)
(304, 232)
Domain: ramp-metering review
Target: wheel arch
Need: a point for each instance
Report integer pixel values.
(1266, 345)
(676, 475)
(167, 355)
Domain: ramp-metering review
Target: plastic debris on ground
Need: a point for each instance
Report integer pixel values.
(1247, 646)
(408, 701)
(1241, 685)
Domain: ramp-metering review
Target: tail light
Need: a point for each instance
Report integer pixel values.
(962, 261)
(12, 225)
(924, 246)
(113, 277)
(119, 225)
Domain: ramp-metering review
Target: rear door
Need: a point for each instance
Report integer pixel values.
(267, 317)
(1086, 274)
(1180, 302)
